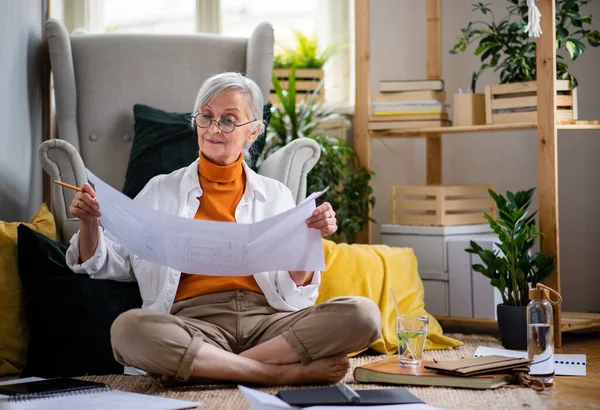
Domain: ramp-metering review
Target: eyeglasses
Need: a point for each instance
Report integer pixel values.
(224, 124)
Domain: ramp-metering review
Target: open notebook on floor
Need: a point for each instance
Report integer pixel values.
(89, 399)
(264, 401)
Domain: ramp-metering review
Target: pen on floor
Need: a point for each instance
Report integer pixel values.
(349, 393)
(73, 187)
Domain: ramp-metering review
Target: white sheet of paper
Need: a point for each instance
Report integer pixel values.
(282, 242)
(564, 364)
(264, 401)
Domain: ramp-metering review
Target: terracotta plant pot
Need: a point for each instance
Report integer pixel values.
(512, 321)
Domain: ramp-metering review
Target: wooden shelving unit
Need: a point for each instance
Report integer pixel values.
(547, 131)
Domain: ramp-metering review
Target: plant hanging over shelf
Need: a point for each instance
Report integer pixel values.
(505, 46)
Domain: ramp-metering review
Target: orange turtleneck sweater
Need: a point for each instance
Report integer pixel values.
(223, 187)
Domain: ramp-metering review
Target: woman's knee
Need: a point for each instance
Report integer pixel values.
(128, 326)
(364, 317)
(369, 318)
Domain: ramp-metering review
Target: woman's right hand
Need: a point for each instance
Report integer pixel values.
(87, 210)
(84, 206)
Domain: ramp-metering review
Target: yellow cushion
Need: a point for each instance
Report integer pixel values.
(13, 325)
(369, 270)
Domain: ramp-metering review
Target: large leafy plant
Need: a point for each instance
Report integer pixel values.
(513, 268)
(304, 54)
(349, 192)
(505, 47)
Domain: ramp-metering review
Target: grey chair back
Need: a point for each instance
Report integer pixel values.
(99, 78)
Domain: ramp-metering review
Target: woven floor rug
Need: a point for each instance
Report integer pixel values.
(217, 397)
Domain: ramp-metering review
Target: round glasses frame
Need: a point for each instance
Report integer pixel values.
(226, 128)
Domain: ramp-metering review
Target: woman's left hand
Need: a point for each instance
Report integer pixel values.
(323, 219)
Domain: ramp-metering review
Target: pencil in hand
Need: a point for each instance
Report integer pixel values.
(73, 187)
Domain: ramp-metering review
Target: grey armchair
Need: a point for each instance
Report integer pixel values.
(98, 79)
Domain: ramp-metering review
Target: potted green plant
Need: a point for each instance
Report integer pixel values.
(308, 63)
(514, 268)
(504, 46)
(349, 192)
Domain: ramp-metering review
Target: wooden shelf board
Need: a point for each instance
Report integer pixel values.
(571, 321)
(578, 126)
(419, 132)
(452, 130)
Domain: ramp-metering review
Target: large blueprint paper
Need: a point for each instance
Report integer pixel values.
(282, 242)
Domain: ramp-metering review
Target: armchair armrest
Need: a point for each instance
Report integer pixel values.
(291, 164)
(62, 162)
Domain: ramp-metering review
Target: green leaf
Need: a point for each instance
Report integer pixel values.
(569, 5)
(576, 19)
(561, 33)
(593, 38)
(574, 47)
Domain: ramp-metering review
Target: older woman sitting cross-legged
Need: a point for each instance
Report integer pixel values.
(262, 328)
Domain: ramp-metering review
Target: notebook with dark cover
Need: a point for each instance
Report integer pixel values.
(341, 394)
(51, 387)
(389, 371)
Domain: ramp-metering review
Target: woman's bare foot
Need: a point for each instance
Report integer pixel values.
(170, 381)
(329, 369)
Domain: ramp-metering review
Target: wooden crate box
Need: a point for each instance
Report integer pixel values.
(441, 205)
(307, 80)
(517, 102)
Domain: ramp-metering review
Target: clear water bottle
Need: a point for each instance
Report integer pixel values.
(540, 334)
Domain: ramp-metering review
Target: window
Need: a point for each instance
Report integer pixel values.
(143, 16)
(240, 17)
(330, 20)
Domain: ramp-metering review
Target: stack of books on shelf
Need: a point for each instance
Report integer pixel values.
(409, 104)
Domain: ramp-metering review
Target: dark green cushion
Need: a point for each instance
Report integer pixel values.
(164, 142)
(69, 315)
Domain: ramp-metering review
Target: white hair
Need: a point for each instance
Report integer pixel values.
(220, 83)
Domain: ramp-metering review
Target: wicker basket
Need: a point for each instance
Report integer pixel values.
(307, 80)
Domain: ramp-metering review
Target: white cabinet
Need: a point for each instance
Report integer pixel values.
(452, 288)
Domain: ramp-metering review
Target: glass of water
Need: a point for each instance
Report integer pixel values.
(411, 332)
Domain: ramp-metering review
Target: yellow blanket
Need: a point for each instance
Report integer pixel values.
(369, 270)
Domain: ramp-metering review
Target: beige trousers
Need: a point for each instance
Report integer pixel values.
(166, 344)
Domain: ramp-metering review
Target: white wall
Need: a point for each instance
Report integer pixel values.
(20, 108)
(506, 159)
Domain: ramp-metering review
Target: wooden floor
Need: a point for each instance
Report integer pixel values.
(571, 392)
(568, 392)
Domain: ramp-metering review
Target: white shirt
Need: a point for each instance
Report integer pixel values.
(177, 193)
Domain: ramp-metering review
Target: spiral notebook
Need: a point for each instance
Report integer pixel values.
(564, 364)
(80, 396)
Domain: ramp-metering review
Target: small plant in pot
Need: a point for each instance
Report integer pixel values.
(513, 268)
